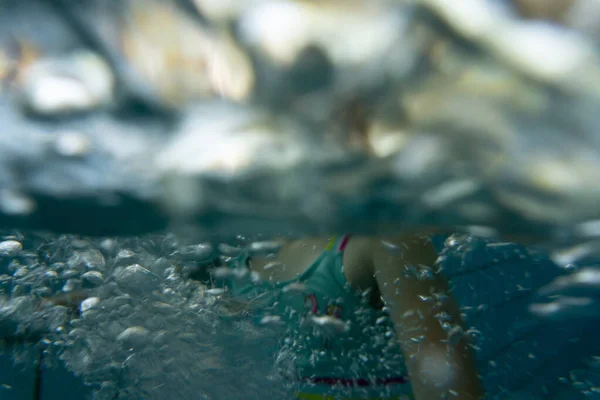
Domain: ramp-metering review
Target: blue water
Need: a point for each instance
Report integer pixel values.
(521, 356)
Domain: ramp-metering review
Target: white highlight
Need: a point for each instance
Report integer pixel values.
(435, 367)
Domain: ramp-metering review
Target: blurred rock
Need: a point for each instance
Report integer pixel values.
(371, 118)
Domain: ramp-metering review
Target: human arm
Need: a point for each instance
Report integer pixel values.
(436, 365)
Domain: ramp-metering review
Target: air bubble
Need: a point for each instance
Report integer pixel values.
(198, 252)
(271, 319)
(455, 334)
(295, 287)
(88, 304)
(264, 248)
(134, 337)
(328, 325)
(136, 279)
(71, 285)
(10, 248)
(51, 275)
(88, 259)
(125, 257)
(229, 251)
(216, 291)
(418, 339)
(391, 247)
(273, 265)
(93, 278)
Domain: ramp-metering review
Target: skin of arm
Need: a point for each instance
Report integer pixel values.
(438, 368)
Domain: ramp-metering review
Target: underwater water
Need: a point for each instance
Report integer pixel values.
(139, 319)
(143, 144)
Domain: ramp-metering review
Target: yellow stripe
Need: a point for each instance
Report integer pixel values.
(330, 244)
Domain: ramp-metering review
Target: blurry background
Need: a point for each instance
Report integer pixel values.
(521, 356)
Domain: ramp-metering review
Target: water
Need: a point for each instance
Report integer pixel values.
(147, 330)
(434, 121)
(477, 117)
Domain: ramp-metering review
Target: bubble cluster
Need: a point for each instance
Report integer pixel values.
(121, 314)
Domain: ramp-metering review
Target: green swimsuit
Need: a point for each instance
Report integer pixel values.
(341, 346)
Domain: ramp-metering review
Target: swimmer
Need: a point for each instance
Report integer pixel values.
(366, 318)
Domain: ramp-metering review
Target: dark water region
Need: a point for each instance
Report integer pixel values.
(121, 122)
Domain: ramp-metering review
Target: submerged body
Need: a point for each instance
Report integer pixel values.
(366, 319)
